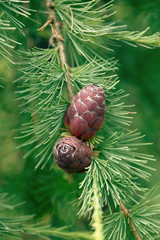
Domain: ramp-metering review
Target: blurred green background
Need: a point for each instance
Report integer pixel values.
(139, 72)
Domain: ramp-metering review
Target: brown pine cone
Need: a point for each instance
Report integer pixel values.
(72, 155)
(86, 113)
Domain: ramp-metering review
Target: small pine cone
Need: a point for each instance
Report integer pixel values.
(85, 115)
(72, 155)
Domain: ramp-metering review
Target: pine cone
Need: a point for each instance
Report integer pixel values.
(86, 113)
(72, 155)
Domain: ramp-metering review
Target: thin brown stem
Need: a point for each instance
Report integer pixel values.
(44, 25)
(133, 228)
(56, 33)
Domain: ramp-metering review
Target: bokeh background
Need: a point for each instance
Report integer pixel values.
(139, 72)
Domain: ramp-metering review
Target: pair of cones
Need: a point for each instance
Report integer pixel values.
(83, 118)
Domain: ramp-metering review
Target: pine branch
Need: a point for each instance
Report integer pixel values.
(115, 226)
(137, 38)
(142, 218)
(145, 214)
(55, 28)
(133, 228)
(13, 226)
(97, 214)
(117, 164)
(9, 10)
(47, 232)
